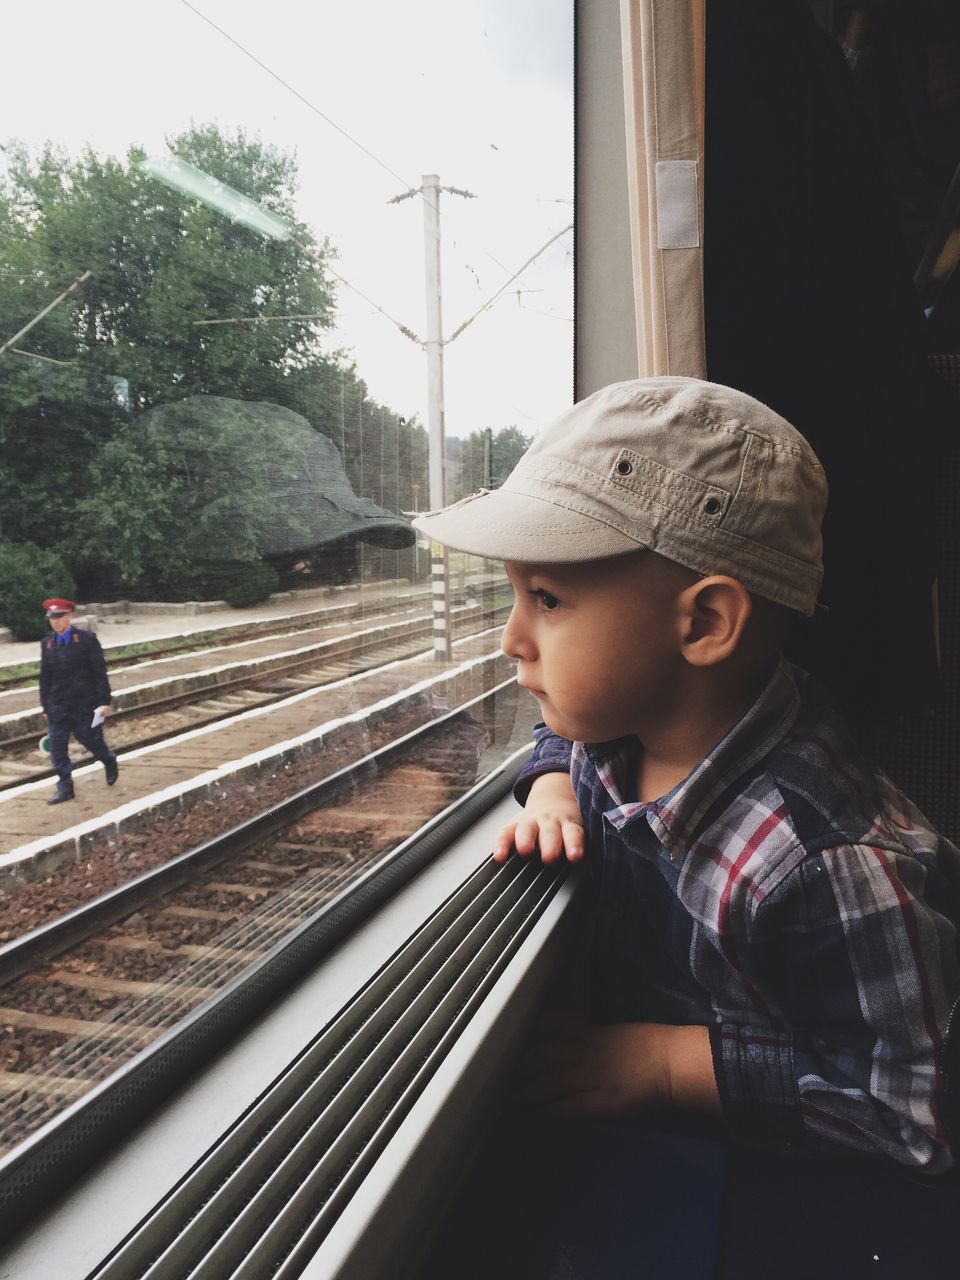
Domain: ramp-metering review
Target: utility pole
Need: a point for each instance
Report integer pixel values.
(439, 560)
(429, 190)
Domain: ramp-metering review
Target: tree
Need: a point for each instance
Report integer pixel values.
(71, 473)
(28, 576)
(485, 460)
(159, 262)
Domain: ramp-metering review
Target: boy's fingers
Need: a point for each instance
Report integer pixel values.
(550, 840)
(558, 838)
(521, 835)
(525, 836)
(553, 836)
(503, 842)
(573, 841)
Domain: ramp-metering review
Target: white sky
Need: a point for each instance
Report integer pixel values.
(477, 91)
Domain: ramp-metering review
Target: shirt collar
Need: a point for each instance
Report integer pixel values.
(63, 637)
(675, 817)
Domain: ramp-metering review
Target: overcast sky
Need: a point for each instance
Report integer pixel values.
(477, 91)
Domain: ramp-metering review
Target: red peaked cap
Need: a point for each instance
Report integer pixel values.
(54, 608)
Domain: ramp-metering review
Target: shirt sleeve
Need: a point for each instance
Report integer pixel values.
(551, 754)
(852, 965)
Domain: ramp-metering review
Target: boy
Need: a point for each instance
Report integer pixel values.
(776, 935)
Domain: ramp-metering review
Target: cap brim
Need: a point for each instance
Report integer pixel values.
(503, 524)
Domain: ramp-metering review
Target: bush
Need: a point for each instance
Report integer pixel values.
(239, 582)
(28, 576)
(253, 581)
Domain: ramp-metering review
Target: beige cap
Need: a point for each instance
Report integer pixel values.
(703, 475)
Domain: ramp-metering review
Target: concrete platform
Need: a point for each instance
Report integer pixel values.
(172, 776)
(317, 633)
(147, 623)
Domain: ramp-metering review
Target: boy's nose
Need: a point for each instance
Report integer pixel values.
(513, 642)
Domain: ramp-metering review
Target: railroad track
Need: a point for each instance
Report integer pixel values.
(225, 698)
(182, 646)
(92, 991)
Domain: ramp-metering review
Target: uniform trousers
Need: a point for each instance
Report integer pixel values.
(78, 724)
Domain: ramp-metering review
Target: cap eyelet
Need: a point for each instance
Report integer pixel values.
(712, 506)
(624, 468)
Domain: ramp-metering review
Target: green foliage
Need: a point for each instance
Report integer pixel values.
(253, 581)
(129, 515)
(384, 454)
(214, 478)
(239, 582)
(159, 262)
(73, 473)
(486, 459)
(29, 575)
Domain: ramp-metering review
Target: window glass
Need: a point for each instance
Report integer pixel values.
(218, 284)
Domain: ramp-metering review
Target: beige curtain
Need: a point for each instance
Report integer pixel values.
(663, 77)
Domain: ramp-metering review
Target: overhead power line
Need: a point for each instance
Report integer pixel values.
(80, 280)
(259, 319)
(296, 92)
(34, 355)
(506, 284)
(339, 128)
(407, 332)
(189, 180)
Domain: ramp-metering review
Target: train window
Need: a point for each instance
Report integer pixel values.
(268, 287)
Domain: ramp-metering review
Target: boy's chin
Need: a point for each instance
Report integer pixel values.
(564, 728)
(580, 731)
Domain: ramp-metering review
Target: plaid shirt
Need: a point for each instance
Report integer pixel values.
(787, 896)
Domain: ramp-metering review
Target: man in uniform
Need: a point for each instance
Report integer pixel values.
(74, 692)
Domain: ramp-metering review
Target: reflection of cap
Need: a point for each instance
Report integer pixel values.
(57, 608)
(706, 476)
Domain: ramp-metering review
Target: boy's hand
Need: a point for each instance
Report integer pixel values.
(550, 819)
(573, 1067)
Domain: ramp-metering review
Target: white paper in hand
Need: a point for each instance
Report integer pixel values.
(98, 718)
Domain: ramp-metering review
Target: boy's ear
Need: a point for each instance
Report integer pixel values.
(714, 613)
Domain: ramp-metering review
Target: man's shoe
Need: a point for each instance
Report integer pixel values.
(112, 770)
(63, 792)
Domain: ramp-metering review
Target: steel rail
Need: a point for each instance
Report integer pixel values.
(183, 646)
(288, 622)
(172, 701)
(23, 954)
(46, 1162)
(126, 664)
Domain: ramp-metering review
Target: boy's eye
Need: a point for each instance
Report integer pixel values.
(544, 599)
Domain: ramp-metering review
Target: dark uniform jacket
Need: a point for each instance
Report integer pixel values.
(73, 676)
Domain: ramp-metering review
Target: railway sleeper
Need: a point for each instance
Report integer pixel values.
(245, 890)
(115, 986)
(91, 1028)
(190, 950)
(43, 1085)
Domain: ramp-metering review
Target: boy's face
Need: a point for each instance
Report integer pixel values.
(598, 643)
